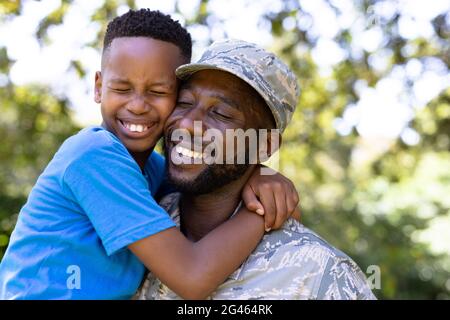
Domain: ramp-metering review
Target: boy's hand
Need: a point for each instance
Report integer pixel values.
(273, 196)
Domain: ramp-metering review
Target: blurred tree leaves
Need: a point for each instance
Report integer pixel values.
(10, 7)
(374, 209)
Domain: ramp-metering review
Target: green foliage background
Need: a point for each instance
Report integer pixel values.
(373, 210)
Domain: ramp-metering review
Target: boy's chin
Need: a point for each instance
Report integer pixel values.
(140, 147)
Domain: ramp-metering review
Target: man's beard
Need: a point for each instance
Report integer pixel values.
(213, 177)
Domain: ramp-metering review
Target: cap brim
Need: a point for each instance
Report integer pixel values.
(186, 70)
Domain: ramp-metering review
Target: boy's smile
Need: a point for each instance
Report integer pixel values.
(135, 128)
(137, 89)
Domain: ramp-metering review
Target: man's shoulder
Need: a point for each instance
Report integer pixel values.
(170, 203)
(298, 245)
(325, 271)
(293, 235)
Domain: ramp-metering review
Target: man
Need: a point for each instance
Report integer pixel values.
(237, 85)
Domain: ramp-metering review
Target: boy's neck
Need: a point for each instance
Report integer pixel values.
(141, 157)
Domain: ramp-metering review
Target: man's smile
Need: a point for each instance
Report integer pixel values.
(182, 154)
(187, 152)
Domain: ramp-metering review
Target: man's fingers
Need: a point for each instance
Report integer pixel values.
(251, 201)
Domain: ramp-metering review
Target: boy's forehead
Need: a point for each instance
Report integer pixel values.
(142, 47)
(141, 60)
(146, 44)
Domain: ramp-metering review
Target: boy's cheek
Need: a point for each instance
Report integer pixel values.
(168, 114)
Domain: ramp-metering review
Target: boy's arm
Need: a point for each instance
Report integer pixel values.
(195, 270)
(133, 219)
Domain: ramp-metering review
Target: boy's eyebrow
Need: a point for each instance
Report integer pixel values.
(232, 103)
(154, 84)
(119, 81)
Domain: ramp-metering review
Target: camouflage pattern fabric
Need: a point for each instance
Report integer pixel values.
(262, 70)
(290, 263)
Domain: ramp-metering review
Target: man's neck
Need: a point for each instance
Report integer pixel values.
(202, 213)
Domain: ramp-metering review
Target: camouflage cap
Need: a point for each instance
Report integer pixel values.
(262, 70)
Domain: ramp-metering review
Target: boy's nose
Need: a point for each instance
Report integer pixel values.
(137, 106)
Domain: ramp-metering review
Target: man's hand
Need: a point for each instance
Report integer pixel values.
(273, 196)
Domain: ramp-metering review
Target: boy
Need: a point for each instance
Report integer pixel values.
(92, 216)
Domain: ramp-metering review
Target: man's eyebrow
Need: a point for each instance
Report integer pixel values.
(232, 103)
(227, 100)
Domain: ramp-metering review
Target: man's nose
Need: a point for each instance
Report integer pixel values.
(138, 105)
(192, 121)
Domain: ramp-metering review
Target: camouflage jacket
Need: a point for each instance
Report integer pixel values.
(290, 263)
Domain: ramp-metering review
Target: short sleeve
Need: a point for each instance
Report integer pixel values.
(108, 185)
(157, 164)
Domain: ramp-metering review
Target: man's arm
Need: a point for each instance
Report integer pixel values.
(195, 270)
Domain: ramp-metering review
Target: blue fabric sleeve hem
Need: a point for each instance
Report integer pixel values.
(136, 234)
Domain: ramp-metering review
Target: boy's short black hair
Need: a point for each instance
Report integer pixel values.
(152, 24)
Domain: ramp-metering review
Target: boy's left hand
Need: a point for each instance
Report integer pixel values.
(273, 196)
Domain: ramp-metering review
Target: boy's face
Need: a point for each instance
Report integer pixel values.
(137, 89)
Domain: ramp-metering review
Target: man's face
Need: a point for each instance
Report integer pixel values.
(220, 101)
(137, 89)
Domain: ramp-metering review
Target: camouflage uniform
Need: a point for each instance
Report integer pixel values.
(290, 263)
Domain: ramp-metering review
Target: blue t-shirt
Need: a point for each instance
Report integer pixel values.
(71, 237)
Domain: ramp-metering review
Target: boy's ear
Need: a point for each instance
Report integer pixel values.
(270, 145)
(98, 87)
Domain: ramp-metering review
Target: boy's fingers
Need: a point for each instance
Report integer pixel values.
(251, 201)
(282, 212)
(268, 201)
(297, 214)
(291, 202)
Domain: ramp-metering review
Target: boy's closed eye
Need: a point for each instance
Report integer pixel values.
(120, 90)
(159, 92)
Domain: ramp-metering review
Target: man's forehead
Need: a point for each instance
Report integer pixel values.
(221, 95)
(218, 80)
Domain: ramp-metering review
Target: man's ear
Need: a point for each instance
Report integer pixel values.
(270, 145)
(98, 87)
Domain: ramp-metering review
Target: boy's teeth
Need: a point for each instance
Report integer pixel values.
(188, 153)
(135, 127)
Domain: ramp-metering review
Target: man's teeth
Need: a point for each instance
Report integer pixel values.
(135, 127)
(188, 153)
